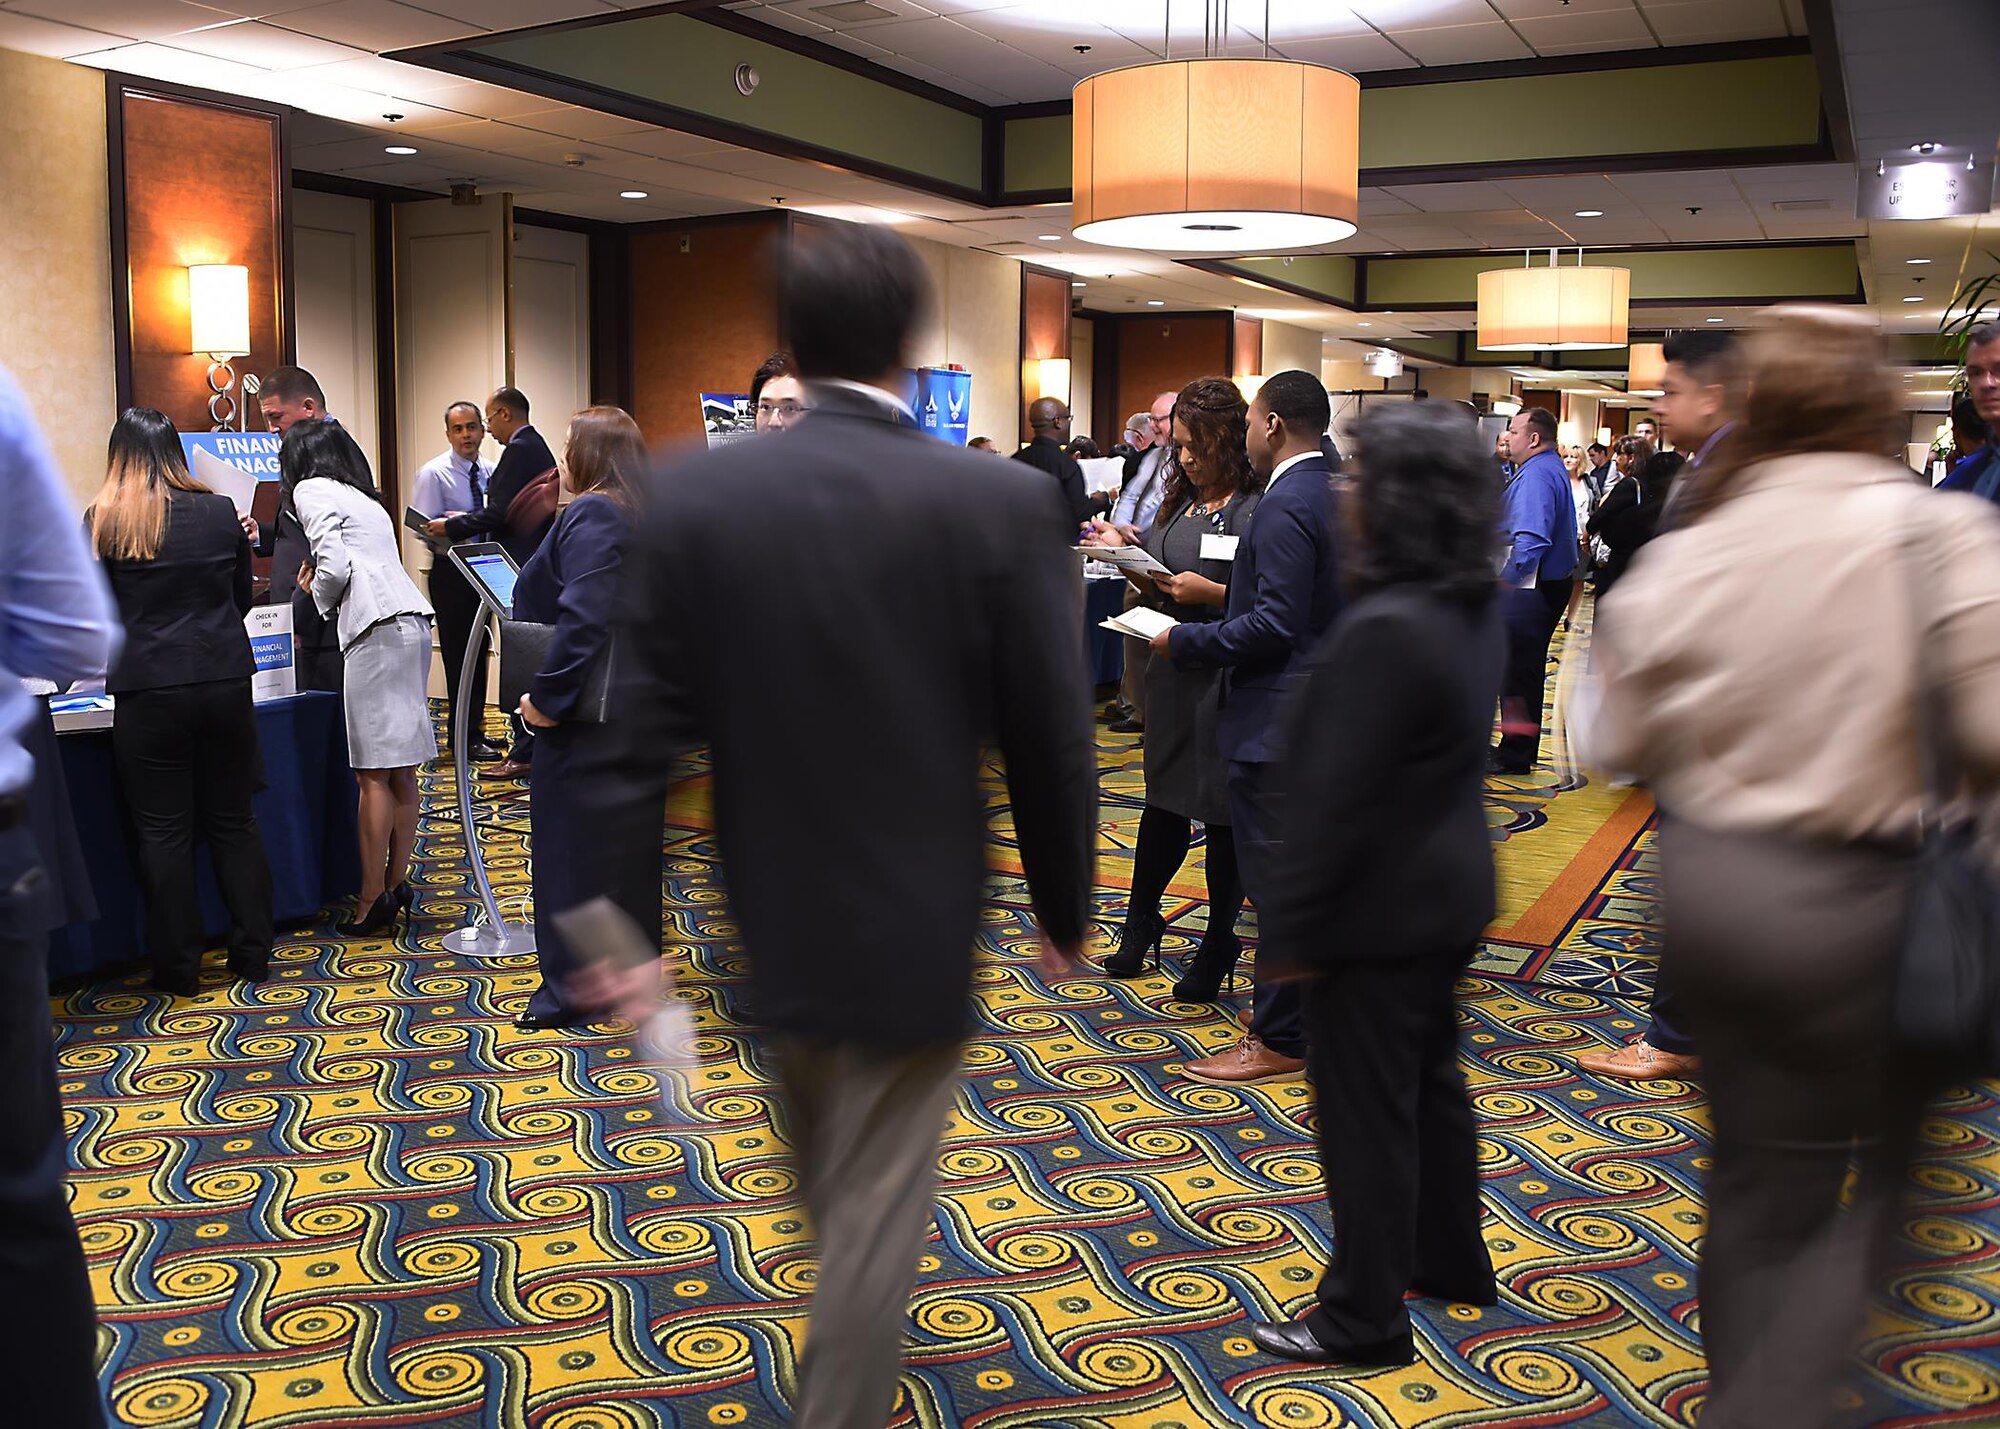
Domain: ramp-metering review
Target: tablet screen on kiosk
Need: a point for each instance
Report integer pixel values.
(492, 573)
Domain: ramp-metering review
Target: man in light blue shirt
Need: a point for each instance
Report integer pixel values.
(57, 623)
(1538, 519)
(450, 484)
(1138, 503)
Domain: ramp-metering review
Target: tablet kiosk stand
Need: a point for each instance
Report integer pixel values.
(488, 935)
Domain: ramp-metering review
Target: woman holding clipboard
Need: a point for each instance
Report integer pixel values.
(1210, 495)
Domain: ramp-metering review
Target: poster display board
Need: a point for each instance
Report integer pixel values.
(727, 417)
(944, 403)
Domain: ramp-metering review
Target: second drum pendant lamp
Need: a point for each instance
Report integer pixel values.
(1530, 309)
(1216, 155)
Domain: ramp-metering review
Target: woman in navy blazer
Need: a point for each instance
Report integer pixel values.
(573, 584)
(184, 742)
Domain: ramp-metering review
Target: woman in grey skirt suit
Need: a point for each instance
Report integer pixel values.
(356, 569)
(1211, 493)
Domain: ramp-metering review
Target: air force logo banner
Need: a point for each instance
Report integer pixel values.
(944, 403)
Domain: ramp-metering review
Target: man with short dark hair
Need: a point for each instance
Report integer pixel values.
(1599, 474)
(450, 484)
(1048, 419)
(777, 397)
(1979, 472)
(853, 846)
(288, 395)
(1538, 516)
(1284, 591)
(1138, 503)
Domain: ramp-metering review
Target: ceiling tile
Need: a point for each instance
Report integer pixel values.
(518, 14)
(176, 66)
(1395, 15)
(1357, 54)
(1708, 22)
(1519, 10)
(382, 76)
(130, 19)
(374, 24)
(269, 47)
(1451, 198)
(807, 10)
(1594, 30)
(488, 101)
(256, 9)
(1464, 44)
(570, 122)
(44, 37)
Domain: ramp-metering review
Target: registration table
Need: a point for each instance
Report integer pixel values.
(1105, 650)
(305, 813)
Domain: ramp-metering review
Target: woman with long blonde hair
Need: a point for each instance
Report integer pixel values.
(1762, 675)
(184, 742)
(572, 585)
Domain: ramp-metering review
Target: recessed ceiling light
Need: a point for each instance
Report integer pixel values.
(1913, 298)
(1927, 147)
(1917, 262)
(1156, 302)
(1050, 237)
(1590, 213)
(633, 193)
(1715, 320)
(1079, 285)
(1364, 324)
(399, 149)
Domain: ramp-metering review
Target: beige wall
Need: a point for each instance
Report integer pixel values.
(333, 257)
(1288, 349)
(977, 324)
(55, 258)
(1082, 391)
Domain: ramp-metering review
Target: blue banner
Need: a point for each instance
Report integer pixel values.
(944, 403)
(232, 463)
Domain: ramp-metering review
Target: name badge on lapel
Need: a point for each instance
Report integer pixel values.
(1219, 548)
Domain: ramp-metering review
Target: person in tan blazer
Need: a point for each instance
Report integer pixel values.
(1760, 673)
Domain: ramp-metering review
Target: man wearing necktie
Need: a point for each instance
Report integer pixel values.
(447, 485)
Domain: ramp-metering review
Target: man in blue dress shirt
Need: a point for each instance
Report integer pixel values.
(1538, 518)
(56, 623)
(1980, 472)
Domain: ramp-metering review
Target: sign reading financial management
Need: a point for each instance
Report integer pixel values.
(270, 630)
(944, 403)
(1927, 188)
(232, 463)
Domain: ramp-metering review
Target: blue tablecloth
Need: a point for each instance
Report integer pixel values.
(1106, 651)
(306, 814)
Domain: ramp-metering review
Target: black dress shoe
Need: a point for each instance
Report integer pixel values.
(246, 970)
(544, 1021)
(185, 986)
(1296, 1341)
(1496, 765)
(1127, 726)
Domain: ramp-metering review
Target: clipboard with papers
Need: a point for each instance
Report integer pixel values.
(1130, 560)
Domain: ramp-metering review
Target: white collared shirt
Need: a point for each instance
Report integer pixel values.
(1286, 465)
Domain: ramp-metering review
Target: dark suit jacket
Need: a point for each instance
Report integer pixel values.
(845, 691)
(1284, 592)
(1386, 852)
(1047, 454)
(183, 610)
(525, 457)
(290, 550)
(572, 584)
(1627, 520)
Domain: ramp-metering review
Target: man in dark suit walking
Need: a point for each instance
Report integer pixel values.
(520, 508)
(1049, 419)
(1283, 593)
(853, 843)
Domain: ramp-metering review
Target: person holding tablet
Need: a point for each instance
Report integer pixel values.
(572, 584)
(356, 569)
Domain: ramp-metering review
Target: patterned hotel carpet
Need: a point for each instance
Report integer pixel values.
(357, 1196)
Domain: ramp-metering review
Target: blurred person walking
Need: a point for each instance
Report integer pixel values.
(1384, 881)
(355, 576)
(57, 623)
(184, 741)
(572, 585)
(1802, 576)
(855, 855)
(1210, 494)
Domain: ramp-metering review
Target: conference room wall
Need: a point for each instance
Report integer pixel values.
(1083, 386)
(1162, 354)
(1045, 334)
(1289, 348)
(333, 244)
(55, 263)
(704, 314)
(551, 299)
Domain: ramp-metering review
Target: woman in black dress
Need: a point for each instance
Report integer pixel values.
(1211, 493)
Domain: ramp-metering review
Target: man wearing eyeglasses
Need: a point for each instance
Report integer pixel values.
(776, 394)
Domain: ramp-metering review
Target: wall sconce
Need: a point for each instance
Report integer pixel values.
(1052, 379)
(219, 323)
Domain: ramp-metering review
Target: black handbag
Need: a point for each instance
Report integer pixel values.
(1946, 1003)
(524, 646)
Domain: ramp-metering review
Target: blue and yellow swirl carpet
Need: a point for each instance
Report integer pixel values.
(357, 1196)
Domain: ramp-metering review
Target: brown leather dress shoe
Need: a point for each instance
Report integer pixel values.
(508, 769)
(1244, 1018)
(1245, 1064)
(1640, 1061)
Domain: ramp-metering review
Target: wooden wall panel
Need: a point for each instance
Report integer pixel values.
(1164, 354)
(1044, 333)
(1246, 354)
(703, 319)
(200, 181)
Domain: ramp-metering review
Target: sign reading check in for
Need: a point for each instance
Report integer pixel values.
(1927, 188)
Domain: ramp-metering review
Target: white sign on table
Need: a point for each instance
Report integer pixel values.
(270, 628)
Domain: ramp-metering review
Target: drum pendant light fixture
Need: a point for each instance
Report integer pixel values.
(1529, 309)
(1646, 369)
(1216, 155)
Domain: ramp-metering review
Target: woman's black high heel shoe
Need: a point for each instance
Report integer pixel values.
(1209, 968)
(405, 896)
(380, 918)
(1140, 939)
